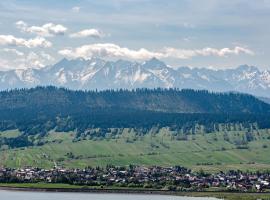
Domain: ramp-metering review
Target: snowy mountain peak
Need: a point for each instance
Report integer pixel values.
(247, 68)
(62, 62)
(154, 63)
(97, 73)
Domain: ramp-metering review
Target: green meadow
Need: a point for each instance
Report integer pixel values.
(211, 152)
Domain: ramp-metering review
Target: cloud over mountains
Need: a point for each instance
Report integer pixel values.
(112, 50)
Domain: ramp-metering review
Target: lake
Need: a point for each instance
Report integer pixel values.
(18, 195)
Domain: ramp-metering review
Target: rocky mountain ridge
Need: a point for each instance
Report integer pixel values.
(100, 74)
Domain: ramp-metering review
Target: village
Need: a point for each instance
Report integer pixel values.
(160, 178)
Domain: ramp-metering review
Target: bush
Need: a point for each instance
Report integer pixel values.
(242, 147)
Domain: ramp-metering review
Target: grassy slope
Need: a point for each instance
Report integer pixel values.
(194, 153)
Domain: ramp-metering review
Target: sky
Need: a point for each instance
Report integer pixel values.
(216, 34)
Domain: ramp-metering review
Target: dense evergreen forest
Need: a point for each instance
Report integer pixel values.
(64, 101)
(39, 110)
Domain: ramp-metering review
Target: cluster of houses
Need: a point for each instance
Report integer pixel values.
(172, 178)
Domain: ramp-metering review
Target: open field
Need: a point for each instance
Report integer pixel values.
(210, 152)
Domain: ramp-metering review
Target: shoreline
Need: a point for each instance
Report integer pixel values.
(89, 190)
(209, 194)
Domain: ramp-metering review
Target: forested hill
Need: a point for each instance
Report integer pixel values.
(65, 102)
(39, 110)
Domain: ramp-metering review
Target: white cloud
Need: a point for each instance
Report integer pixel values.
(76, 9)
(46, 30)
(21, 25)
(87, 33)
(113, 50)
(34, 60)
(38, 42)
(30, 43)
(46, 56)
(108, 50)
(186, 54)
(14, 51)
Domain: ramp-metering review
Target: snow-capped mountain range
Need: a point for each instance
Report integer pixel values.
(100, 74)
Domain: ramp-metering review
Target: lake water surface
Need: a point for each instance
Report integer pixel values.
(14, 195)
